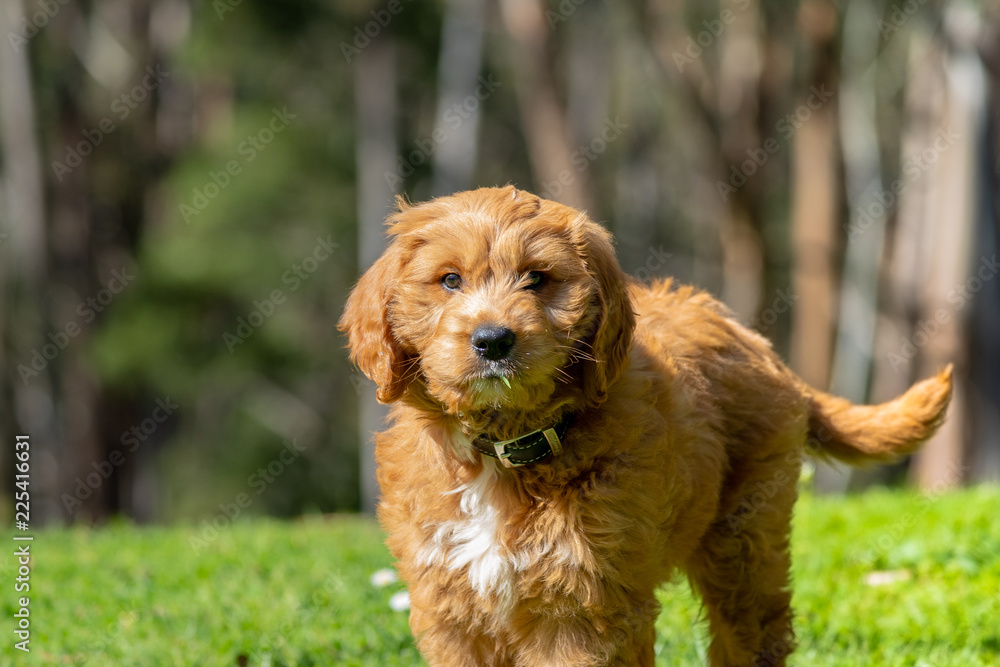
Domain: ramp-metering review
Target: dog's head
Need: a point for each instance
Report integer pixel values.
(492, 299)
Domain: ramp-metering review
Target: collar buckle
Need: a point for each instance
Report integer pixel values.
(504, 455)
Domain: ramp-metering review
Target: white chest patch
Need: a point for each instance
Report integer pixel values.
(471, 541)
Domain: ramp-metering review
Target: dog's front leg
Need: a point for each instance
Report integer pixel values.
(623, 639)
(447, 644)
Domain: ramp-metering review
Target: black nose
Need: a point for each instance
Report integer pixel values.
(493, 343)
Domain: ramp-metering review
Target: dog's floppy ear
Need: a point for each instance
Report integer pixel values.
(615, 320)
(374, 348)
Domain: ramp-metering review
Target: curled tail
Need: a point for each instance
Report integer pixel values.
(858, 433)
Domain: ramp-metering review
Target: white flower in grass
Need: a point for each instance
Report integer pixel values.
(400, 601)
(885, 578)
(384, 577)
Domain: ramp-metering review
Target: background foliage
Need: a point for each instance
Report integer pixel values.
(748, 146)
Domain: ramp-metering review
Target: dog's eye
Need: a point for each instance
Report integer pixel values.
(452, 281)
(535, 279)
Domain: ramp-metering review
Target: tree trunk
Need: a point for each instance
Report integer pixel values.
(542, 115)
(25, 405)
(816, 196)
(375, 97)
(458, 71)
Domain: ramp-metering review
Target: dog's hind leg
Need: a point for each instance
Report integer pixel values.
(742, 572)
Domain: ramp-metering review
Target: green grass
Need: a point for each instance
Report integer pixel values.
(270, 593)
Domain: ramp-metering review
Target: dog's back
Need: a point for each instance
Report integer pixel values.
(755, 388)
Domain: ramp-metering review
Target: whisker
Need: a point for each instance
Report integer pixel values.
(411, 370)
(577, 349)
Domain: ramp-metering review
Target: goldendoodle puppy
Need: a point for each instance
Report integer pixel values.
(564, 438)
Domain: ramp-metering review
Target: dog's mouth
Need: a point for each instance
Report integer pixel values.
(502, 370)
(495, 382)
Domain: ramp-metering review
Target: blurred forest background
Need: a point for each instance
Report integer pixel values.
(191, 187)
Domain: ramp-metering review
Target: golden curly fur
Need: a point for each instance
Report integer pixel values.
(681, 416)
